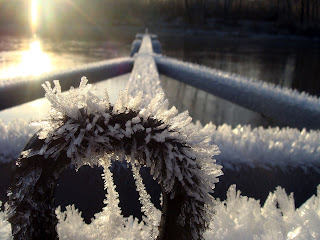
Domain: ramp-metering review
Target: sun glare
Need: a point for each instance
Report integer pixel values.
(34, 15)
(33, 62)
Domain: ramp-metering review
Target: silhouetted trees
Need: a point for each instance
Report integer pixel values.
(55, 14)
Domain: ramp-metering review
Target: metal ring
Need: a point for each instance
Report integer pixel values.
(31, 198)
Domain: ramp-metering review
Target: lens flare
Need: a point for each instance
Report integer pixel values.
(34, 15)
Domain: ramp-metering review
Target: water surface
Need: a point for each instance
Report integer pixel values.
(22, 56)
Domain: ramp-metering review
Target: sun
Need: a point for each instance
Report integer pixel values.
(34, 15)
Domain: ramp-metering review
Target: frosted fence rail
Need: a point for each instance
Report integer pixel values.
(20, 90)
(283, 105)
(232, 219)
(144, 76)
(272, 147)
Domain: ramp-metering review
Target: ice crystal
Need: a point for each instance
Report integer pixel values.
(267, 148)
(5, 227)
(147, 207)
(178, 153)
(111, 212)
(13, 137)
(238, 217)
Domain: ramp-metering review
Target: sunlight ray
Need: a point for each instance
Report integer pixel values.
(34, 15)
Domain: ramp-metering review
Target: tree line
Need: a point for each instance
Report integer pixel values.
(300, 15)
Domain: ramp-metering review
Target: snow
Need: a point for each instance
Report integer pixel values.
(284, 105)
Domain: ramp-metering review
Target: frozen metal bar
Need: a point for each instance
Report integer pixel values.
(144, 76)
(286, 106)
(18, 91)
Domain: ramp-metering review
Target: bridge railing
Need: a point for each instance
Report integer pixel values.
(285, 106)
(145, 78)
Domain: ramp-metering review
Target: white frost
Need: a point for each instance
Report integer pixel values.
(271, 147)
(5, 227)
(238, 217)
(282, 104)
(13, 137)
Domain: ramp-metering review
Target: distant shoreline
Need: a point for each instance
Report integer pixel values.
(242, 28)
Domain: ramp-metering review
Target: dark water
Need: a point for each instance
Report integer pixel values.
(22, 56)
(207, 108)
(288, 62)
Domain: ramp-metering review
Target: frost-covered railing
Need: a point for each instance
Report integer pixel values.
(20, 90)
(286, 106)
(86, 130)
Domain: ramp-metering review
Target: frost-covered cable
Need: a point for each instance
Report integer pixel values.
(13, 137)
(145, 200)
(272, 147)
(82, 129)
(283, 148)
(21, 88)
(144, 76)
(284, 105)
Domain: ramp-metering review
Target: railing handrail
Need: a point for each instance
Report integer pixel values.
(286, 106)
(24, 89)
